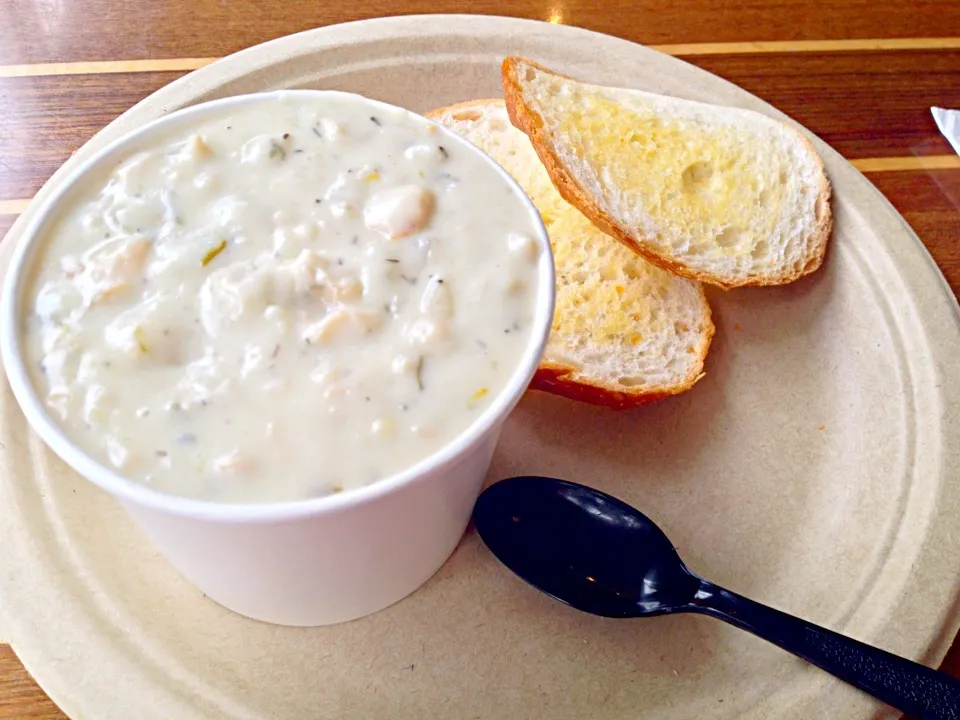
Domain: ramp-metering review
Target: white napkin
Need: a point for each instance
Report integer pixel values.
(949, 123)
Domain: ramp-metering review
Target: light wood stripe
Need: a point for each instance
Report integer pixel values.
(13, 207)
(810, 46)
(865, 165)
(107, 67)
(915, 162)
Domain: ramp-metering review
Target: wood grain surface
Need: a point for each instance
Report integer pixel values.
(861, 74)
(71, 30)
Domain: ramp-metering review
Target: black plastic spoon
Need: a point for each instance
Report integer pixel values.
(598, 554)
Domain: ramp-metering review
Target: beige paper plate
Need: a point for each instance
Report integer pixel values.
(815, 468)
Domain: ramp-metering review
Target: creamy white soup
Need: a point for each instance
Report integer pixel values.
(292, 299)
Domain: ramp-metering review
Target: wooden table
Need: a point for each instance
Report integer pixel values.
(862, 74)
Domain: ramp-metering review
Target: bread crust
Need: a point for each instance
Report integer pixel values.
(563, 380)
(531, 123)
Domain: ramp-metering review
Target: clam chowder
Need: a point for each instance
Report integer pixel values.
(291, 299)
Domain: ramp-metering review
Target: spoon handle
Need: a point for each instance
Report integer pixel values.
(908, 686)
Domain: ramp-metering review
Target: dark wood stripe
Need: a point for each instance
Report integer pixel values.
(75, 30)
(856, 102)
(104, 67)
(930, 203)
(20, 698)
(46, 119)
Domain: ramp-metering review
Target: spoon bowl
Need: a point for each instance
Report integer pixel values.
(584, 548)
(600, 555)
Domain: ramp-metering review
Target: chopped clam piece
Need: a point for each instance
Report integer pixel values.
(436, 300)
(524, 246)
(113, 269)
(195, 148)
(349, 288)
(342, 321)
(399, 212)
(233, 463)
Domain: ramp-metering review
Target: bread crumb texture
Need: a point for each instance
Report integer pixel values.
(621, 325)
(721, 194)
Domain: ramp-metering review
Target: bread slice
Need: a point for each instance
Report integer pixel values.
(624, 332)
(723, 195)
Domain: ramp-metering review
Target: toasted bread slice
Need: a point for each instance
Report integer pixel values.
(624, 332)
(722, 195)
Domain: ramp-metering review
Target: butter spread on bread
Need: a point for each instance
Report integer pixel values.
(625, 332)
(722, 195)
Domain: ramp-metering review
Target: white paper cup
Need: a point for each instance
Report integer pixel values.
(310, 562)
